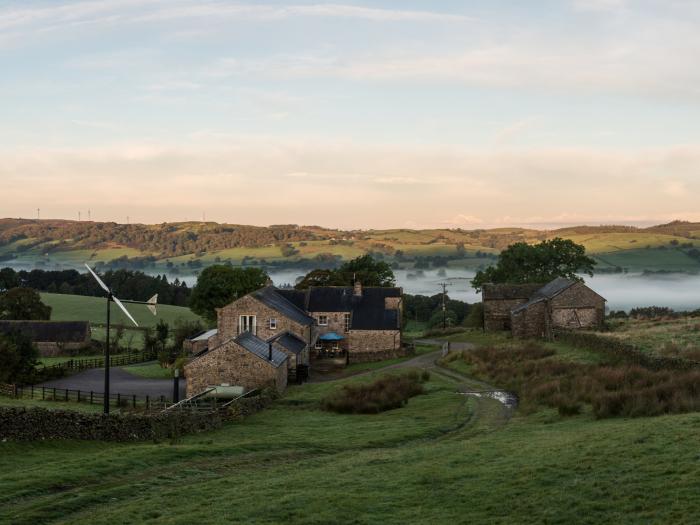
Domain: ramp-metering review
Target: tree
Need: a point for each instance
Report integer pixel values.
(23, 304)
(18, 357)
(365, 269)
(537, 263)
(219, 285)
(8, 279)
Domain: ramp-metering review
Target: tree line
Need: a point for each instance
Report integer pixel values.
(134, 285)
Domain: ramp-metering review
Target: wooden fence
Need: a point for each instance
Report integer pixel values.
(99, 362)
(83, 396)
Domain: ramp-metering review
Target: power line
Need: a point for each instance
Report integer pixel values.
(444, 304)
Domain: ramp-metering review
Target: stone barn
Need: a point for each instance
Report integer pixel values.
(52, 338)
(562, 304)
(500, 299)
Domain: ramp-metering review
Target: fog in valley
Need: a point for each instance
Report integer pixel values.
(623, 291)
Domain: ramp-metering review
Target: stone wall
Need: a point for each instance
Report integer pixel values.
(530, 322)
(336, 323)
(577, 307)
(54, 349)
(228, 321)
(497, 313)
(39, 424)
(369, 341)
(231, 363)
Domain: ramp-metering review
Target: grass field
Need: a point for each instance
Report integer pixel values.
(638, 260)
(669, 337)
(434, 461)
(150, 371)
(93, 309)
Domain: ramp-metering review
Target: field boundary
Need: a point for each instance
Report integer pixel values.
(625, 351)
(99, 362)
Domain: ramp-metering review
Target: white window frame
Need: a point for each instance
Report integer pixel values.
(273, 323)
(247, 323)
(322, 323)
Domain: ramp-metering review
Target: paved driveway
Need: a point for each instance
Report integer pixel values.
(121, 382)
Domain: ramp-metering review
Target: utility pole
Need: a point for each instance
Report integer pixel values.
(89, 214)
(444, 305)
(78, 216)
(38, 213)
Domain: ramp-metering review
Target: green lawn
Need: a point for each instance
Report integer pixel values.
(151, 370)
(429, 462)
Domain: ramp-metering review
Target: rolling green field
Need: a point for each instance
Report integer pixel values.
(67, 244)
(440, 459)
(93, 309)
(82, 308)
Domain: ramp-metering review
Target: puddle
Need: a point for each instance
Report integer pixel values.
(509, 399)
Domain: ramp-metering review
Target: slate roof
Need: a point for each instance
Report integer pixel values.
(296, 297)
(271, 297)
(290, 341)
(548, 291)
(509, 291)
(374, 319)
(261, 348)
(49, 331)
(206, 335)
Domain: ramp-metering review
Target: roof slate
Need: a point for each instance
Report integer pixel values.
(271, 297)
(291, 342)
(261, 348)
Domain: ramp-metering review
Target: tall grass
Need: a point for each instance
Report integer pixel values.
(611, 390)
(386, 393)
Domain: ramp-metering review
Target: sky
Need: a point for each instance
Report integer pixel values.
(412, 114)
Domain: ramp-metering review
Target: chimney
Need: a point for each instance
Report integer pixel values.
(357, 291)
(269, 351)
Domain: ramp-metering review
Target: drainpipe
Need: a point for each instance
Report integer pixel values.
(269, 351)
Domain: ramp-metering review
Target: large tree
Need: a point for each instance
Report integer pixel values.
(18, 357)
(537, 263)
(220, 284)
(365, 269)
(23, 304)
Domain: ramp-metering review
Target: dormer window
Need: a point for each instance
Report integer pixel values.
(322, 320)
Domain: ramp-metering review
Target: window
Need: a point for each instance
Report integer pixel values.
(347, 322)
(246, 323)
(323, 320)
(273, 323)
(318, 345)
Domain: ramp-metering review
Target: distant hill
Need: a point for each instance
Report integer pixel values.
(190, 245)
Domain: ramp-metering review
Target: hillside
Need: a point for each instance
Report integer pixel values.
(175, 247)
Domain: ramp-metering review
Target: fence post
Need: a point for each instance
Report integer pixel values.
(43, 393)
(148, 403)
(119, 400)
(134, 400)
(66, 394)
(54, 393)
(91, 395)
(32, 391)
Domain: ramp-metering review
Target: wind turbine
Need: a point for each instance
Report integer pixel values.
(150, 304)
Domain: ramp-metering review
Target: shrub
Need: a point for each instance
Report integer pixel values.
(386, 393)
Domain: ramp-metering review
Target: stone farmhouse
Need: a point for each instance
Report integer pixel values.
(529, 310)
(52, 338)
(271, 333)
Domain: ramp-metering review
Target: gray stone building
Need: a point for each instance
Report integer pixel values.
(562, 304)
(52, 338)
(351, 324)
